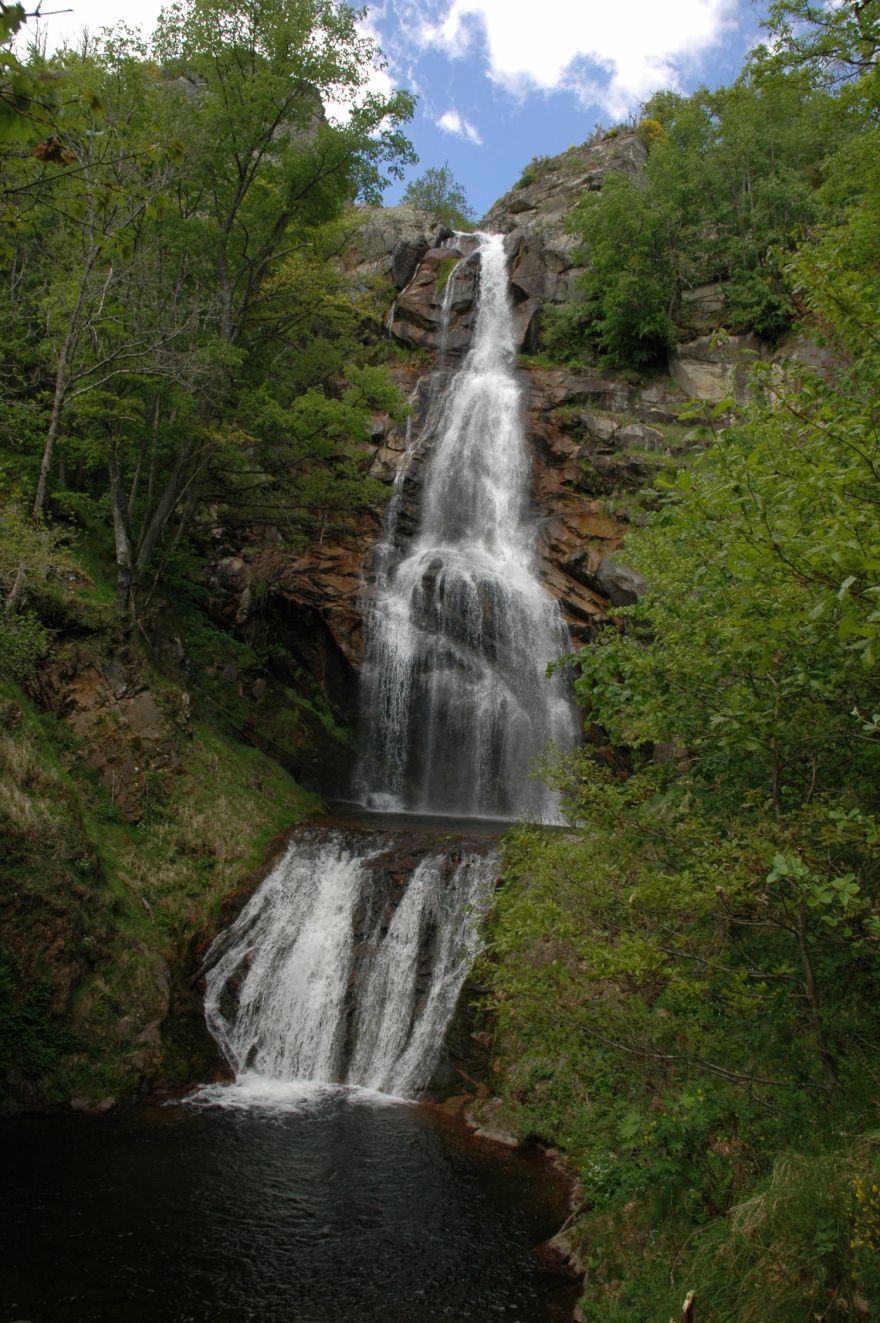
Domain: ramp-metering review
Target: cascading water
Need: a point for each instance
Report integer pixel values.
(322, 977)
(457, 706)
(330, 973)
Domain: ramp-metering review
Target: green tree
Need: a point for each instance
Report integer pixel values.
(439, 193)
(733, 183)
(262, 164)
(186, 267)
(685, 983)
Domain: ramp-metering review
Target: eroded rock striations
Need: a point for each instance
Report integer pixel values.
(595, 439)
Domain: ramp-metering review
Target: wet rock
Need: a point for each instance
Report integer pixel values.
(404, 260)
(417, 315)
(91, 1108)
(485, 1117)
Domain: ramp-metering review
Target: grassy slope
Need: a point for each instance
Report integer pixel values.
(99, 915)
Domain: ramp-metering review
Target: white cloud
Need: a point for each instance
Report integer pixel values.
(62, 26)
(143, 14)
(632, 46)
(451, 122)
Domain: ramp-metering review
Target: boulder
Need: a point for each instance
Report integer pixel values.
(703, 306)
(619, 583)
(417, 317)
(390, 242)
(231, 580)
(716, 367)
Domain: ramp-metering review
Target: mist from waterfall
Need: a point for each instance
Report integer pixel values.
(457, 707)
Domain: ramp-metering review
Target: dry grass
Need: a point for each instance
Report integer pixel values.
(786, 1254)
(35, 812)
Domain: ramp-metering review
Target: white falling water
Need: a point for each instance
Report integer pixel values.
(457, 704)
(306, 985)
(323, 977)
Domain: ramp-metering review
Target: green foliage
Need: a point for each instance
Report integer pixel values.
(438, 192)
(115, 902)
(685, 980)
(32, 1040)
(805, 1238)
(161, 285)
(731, 185)
(444, 271)
(23, 641)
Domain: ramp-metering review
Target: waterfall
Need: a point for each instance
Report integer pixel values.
(457, 705)
(332, 972)
(323, 977)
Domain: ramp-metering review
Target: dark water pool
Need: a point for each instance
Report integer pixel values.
(338, 1209)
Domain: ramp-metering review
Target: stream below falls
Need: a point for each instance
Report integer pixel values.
(332, 1207)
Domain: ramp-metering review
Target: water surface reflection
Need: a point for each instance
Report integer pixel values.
(329, 1207)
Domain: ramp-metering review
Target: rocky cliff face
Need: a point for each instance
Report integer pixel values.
(545, 261)
(595, 439)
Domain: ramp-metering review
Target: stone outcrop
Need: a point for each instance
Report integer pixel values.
(445, 278)
(123, 731)
(390, 242)
(716, 367)
(545, 261)
(592, 437)
(620, 584)
(406, 250)
(549, 188)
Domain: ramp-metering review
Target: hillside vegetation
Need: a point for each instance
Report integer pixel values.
(185, 368)
(686, 981)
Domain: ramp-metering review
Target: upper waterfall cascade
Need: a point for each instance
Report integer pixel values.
(456, 702)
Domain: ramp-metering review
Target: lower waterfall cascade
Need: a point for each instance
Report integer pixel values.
(317, 932)
(326, 975)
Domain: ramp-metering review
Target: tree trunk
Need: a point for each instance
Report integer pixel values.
(62, 384)
(811, 996)
(121, 536)
(16, 592)
(155, 526)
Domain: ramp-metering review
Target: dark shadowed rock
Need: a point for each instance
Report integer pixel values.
(619, 583)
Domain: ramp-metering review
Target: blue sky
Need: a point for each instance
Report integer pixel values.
(501, 81)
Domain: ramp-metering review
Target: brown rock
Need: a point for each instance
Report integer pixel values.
(117, 720)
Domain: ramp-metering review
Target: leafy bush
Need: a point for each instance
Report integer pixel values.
(23, 641)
